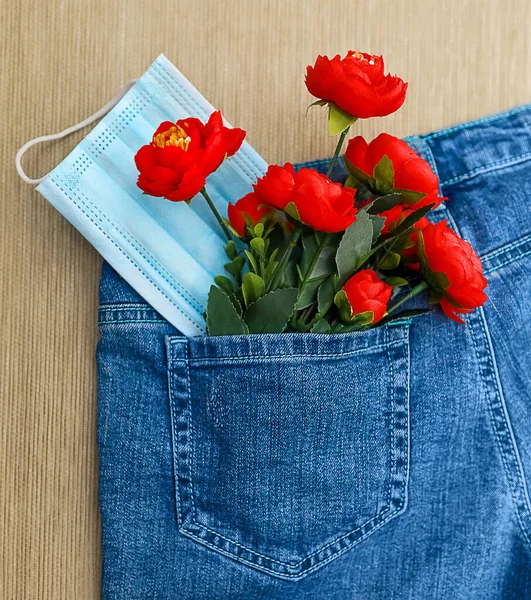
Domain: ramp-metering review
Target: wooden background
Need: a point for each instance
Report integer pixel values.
(63, 59)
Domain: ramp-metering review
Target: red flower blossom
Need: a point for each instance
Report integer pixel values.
(357, 84)
(365, 291)
(445, 252)
(181, 155)
(249, 205)
(411, 172)
(321, 203)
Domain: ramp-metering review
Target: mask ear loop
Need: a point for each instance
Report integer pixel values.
(57, 136)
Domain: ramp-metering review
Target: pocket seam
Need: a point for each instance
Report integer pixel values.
(189, 525)
(262, 357)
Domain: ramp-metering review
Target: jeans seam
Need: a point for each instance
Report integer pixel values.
(510, 246)
(294, 576)
(175, 443)
(480, 318)
(106, 307)
(392, 433)
(476, 122)
(138, 321)
(508, 261)
(262, 357)
(501, 164)
(514, 480)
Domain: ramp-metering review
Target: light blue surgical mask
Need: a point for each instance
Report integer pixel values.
(169, 252)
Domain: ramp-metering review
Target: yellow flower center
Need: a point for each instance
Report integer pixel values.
(372, 60)
(174, 136)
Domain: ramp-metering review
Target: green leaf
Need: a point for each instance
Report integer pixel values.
(308, 294)
(391, 260)
(434, 297)
(252, 260)
(377, 225)
(364, 318)
(271, 313)
(221, 315)
(258, 245)
(230, 250)
(232, 269)
(318, 255)
(317, 103)
(326, 245)
(338, 119)
(325, 294)
(410, 197)
(224, 283)
(253, 287)
(301, 326)
(384, 174)
(348, 328)
(343, 305)
(383, 203)
(239, 261)
(352, 182)
(259, 229)
(321, 326)
(357, 177)
(396, 281)
(291, 210)
(440, 280)
(355, 244)
(411, 219)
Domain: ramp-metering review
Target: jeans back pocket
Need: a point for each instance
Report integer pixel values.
(289, 449)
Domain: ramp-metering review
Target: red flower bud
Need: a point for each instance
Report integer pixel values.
(442, 251)
(320, 203)
(249, 205)
(182, 155)
(365, 291)
(357, 84)
(411, 172)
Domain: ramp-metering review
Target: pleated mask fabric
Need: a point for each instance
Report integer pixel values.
(168, 252)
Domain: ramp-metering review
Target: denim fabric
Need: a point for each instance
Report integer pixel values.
(390, 464)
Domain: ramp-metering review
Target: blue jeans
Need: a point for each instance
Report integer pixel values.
(389, 464)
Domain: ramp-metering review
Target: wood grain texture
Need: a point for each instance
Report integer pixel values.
(63, 59)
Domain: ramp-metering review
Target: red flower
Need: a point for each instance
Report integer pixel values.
(181, 155)
(357, 84)
(410, 171)
(249, 205)
(365, 291)
(321, 203)
(445, 252)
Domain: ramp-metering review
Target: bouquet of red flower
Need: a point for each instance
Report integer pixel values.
(311, 255)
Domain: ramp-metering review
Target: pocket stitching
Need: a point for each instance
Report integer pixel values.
(507, 448)
(372, 524)
(392, 436)
(334, 355)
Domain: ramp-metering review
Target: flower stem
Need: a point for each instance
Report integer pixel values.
(337, 151)
(283, 260)
(414, 291)
(216, 214)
